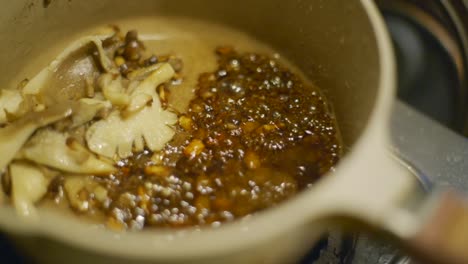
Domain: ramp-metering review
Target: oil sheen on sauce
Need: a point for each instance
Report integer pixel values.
(252, 133)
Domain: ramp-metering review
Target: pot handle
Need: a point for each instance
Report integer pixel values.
(443, 236)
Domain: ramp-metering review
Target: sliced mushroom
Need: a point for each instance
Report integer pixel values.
(120, 136)
(57, 150)
(10, 101)
(116, 136)
(146, 90)
(113, 90)
(141, 73)
(73, 184)
(13, 136)
(60, 79)
(29, 184)
(87, 109)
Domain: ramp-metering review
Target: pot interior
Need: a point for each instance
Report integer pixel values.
(331, 42)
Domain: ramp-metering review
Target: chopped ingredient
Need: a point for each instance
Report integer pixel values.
(57, 150)
(13, 136)
(113, 90)
(10, 101)
(29, 184)
(193, 149)
(46, 126)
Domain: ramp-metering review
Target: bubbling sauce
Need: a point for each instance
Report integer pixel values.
(251, 133)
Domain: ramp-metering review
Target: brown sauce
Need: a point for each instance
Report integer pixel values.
(251, 134)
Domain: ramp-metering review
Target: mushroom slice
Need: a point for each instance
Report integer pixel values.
(87, 109)
(10, 101)
(60, 80)
(37, 84)
(116, 135)
(72, 185)
(113, 90)
(29, 185)
(142, 73)
(57, 150)
(136, 96)
(13, 136)
(144, 92)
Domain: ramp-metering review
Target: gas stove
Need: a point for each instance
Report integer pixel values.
(431, 116)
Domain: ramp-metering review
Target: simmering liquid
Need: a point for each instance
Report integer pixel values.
(252, 132)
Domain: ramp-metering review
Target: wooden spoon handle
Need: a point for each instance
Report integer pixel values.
(443, 238)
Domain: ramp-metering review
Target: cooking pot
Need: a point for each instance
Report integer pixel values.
(343, 47)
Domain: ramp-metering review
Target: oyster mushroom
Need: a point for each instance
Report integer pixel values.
(10, 101)
(57, 150)
(117, 136)
(54, 98)
(146, 90)
(113, 90)
(87, 109)
(13, 136)
(65, 77)
(29, 184)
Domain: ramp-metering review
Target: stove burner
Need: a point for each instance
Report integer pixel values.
(431, 44)
(335, 248)
(428, 77)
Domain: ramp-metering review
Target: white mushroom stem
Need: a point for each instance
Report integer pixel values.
(10, 101)
(113, 90)
(146, 90)
(29, 184)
